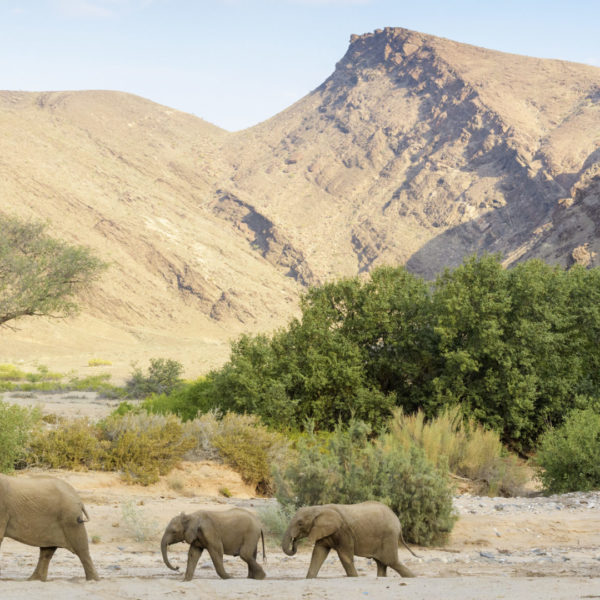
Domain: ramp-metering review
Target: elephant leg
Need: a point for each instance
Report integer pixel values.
(194, 554)
(79, 546)
(255, 571)
(41, 570)
(381, 569)
(401, 569)
(347, 560)
(216, 554)
(319, 554)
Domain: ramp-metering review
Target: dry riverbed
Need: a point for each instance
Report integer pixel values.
(517, 548)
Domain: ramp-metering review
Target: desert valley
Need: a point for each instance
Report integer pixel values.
(417, 151)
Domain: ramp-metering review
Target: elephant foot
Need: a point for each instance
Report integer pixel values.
(260, 575)
(36, 577)
(94, 577)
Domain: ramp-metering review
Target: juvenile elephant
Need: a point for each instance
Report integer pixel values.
(234, 531)
(367, 529)
(48, 513)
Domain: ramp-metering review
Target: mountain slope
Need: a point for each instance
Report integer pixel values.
(415, 137)
(134, 181)
(417, 150)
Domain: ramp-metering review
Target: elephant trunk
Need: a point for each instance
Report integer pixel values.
(289, 543)
(163, 548)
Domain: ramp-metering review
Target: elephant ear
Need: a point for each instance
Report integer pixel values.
(201, 528)
(326, 523)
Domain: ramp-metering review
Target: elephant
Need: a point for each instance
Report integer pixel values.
(45, 512)
(369, 529)
(234, 531)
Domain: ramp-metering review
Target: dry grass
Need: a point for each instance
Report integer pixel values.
(467, 448)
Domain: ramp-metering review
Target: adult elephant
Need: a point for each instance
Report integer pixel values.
(367, 529)
(45, 512)
(234, 531)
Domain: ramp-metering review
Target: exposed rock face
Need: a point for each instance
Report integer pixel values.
(416, 150)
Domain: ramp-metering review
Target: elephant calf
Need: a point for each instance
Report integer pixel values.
(235, 532)
(45, 512)
(367, 529)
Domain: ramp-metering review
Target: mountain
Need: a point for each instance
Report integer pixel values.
(416, 150)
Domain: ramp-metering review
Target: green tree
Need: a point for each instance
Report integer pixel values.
(39, 275)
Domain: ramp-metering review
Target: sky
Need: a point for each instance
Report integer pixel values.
(236, 63)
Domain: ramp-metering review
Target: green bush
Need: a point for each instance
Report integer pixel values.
(345, 467)
(162, 378)
(569, 456)
(144, 446)
(16, 424)
(72, 445)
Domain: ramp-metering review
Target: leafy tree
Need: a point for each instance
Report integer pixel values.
(509, 345)
(39, 275)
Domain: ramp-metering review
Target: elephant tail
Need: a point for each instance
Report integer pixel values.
(406, 545)
(80, 519)
(262, 537)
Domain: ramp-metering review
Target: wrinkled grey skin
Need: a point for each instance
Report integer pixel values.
(45, 512)
(235, 532)
(367, 529)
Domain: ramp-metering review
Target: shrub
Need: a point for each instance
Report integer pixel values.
(248, 447)
(70, 445)
(138, 524)
(241, 441)
(469, 449)
(275, 519)
(202, 430)
(345, 467)
(99, 362)
(144, 446)
(569, 456)
(16, 424)
(162, 378)
(11, 373)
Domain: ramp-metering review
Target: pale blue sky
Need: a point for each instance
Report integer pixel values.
(238, 62)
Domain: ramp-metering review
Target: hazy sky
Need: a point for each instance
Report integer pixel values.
(238, 62)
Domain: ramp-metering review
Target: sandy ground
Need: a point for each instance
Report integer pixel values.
(519, 548)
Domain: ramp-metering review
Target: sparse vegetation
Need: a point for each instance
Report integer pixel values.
(242, 442)
(141, 527)
(99, 362)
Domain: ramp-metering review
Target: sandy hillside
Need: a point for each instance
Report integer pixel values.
(416, 150)
(520, 548)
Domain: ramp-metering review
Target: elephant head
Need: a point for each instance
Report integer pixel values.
(174, 533)
(314, 522)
